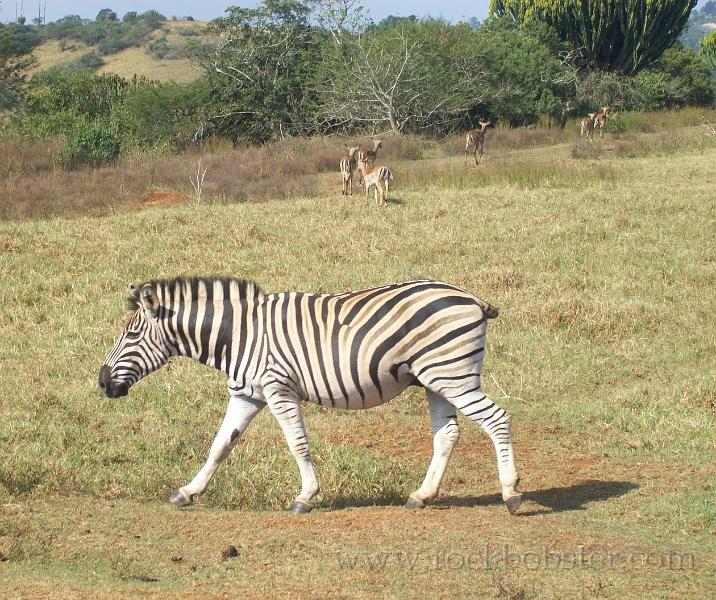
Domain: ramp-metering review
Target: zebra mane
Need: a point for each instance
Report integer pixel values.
(237, 288)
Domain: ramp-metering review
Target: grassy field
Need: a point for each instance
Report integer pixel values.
(602, 260)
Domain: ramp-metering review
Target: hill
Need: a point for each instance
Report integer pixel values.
(162, 56)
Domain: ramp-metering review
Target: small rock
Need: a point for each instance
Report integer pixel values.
(229, 552)
(177, 558)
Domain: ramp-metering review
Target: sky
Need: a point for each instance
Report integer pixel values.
(454, 10)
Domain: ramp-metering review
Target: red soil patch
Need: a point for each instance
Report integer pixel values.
(153, 198)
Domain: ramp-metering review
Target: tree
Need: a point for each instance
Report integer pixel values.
(107, 14)
(623, 36)
(340, 17)
(262, 70)
(524, 76)
(411, 75)
(15, 61)
(164, 117)
(708, 48)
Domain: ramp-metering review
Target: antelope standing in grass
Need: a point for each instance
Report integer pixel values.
(588, 126)
(476, 139)
(348, 165)
(368, 155)
(379, 177)
(600, 120)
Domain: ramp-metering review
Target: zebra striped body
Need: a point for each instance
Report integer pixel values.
(353, 350)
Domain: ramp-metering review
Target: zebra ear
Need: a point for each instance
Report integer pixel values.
(150, 300)
(133, 297)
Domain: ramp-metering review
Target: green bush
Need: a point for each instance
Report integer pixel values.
(86, 94)
(89, 61)
(90, 146)
(161, 118)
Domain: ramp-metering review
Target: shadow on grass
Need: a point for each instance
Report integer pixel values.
(573, 497)
(559, 499)
(386, 499)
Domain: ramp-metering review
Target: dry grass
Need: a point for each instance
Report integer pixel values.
(136, 61)
(50, 53)
(33, 187)
(602, 354)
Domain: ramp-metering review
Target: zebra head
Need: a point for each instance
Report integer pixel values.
(142, 348)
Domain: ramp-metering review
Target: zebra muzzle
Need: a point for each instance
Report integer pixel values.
(108, 387)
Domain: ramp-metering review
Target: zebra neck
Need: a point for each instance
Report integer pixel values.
(223, 333)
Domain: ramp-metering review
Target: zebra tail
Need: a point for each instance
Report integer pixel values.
(490, 312)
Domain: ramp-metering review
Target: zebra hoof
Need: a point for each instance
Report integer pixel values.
(301, 508)
(414, 503)
(513, 503)
(181, 499)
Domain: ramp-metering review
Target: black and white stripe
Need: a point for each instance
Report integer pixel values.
(353, 350)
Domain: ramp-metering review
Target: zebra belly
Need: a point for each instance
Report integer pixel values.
(365, 394)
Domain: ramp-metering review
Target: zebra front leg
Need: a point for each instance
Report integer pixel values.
(496, 423)
(445, 436)
(287, 411)
(239, 414)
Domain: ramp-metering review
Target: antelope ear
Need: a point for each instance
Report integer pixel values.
(149, 299)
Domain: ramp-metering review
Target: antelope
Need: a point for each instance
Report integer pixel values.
(476, 138)
(588, 126)
(600, 120)
(368, 155)
(379, 177)
(348, 165)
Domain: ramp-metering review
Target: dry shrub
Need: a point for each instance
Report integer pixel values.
(519, 138)
(287, 168)
(21, 157)
(511, 139)
(585, 150)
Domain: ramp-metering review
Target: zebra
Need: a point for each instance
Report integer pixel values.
(352, 350)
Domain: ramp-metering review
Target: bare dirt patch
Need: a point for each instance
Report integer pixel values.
(155, 198)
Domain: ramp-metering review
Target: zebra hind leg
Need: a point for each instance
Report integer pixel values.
(496, 423)
(445, 436)
(287, 412)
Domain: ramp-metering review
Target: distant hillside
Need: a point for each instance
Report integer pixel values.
(162, 54)
(700, 23)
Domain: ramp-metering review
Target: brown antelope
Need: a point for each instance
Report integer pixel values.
(368, 155)
(379, 177)
(600, 120)
(588, 126)
(348, 165)
(476, 139)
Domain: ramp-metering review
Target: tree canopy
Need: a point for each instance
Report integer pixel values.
(623, 36)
